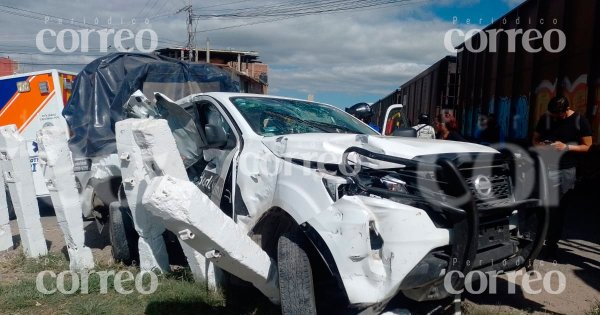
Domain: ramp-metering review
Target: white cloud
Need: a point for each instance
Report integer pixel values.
(371, 50)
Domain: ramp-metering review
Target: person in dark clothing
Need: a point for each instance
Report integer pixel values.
(489, 131)
(446, 128)
(560, 136)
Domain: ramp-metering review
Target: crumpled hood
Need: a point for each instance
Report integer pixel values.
(329, 148)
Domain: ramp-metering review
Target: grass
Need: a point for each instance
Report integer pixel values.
(176, 292)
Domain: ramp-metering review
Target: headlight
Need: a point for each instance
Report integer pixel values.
(394, 184)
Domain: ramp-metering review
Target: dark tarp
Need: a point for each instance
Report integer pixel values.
(104, 86)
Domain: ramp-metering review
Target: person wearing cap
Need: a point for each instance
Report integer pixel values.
(560, 136)
(424, 130)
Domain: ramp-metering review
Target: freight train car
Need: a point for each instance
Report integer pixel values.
(429, 92)
(516, 86)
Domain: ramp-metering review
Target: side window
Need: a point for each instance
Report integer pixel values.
(208, 114)
(212, 174)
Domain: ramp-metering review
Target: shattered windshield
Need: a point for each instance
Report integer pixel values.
(274, 116)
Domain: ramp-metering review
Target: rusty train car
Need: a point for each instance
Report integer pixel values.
(429, 92)
(510, 82)
(516, 86)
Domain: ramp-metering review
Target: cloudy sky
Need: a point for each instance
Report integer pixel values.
(340, 57)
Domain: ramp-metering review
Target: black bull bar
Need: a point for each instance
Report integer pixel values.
(465, 217)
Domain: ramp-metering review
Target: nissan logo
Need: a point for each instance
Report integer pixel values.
(483, 186)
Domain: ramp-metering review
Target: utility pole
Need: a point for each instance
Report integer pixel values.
(190, 28)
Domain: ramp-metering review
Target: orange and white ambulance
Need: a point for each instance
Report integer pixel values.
(32, 101)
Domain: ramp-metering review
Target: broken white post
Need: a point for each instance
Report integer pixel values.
(55, 155)
(14, 161)
(161, 156)
(151, 245)
(202, 225)
(6, 241)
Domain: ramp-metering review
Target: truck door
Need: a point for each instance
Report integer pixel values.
(395, 119)
(213, 172)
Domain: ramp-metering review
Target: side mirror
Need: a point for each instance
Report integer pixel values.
(215, 136)
(360, 111)
(405, 132)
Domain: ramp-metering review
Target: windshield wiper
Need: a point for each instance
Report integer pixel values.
(328, 125)
(285, 116)
(311, 123)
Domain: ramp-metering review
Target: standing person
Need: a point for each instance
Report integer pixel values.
(424, 130)
(446, 128)
(560, 135)
(489, 131)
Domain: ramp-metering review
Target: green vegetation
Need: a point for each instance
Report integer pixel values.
(176, 293)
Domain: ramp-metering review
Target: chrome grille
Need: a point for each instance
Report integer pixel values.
(501, 192)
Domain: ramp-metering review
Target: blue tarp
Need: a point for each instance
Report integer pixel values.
(104, 86)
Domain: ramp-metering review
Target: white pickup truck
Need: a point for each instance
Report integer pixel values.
(354, 218)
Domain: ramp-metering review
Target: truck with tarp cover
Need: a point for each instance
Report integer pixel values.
(100, 94)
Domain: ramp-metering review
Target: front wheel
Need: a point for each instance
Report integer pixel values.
(295, 275)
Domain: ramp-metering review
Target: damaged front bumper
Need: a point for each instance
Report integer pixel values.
(377, 246)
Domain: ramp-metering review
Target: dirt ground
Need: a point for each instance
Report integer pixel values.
(578, 258)
(97, 241)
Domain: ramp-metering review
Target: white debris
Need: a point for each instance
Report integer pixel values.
(14, 161)
(139, 106)
(208, 230)
(161, 156)
(6, 241)
(55, 155)
(152, 249)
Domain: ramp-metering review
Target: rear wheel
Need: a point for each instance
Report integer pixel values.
(122, 234)
(295, 275)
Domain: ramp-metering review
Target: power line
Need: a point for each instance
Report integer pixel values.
(54, 19)
(223, 4)
(292, 8)
(290, 16)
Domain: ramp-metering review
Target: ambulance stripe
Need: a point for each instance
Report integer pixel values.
(15, 96)
(50, 96)
(8, 89)
(25, 106)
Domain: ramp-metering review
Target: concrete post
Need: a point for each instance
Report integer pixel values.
(6, 241)
(202, 225)
(57, 165)
(14, 161)
(151, 245)
(161, 157)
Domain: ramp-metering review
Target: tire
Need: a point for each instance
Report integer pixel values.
(122, 234)
(295, 275)
(11, 209)
(174, 249)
